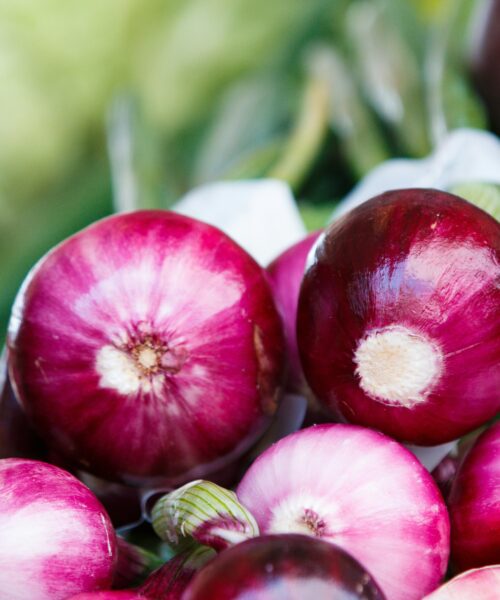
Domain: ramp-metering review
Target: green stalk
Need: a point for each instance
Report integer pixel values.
(205, 512)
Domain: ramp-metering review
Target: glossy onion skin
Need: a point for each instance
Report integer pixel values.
(368, 494)
(477, 584)
(56, 539)
(283, 567)
(148, 277)
(285, 275)
(421, 259)
(474, 504)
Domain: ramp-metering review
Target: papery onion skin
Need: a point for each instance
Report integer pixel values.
(474, 504)
(283, 567)
(476, 584)
(56, 539)
(360, 490)
(398, 322)
(285, 274)
(147, 347)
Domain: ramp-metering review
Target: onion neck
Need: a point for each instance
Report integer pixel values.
(141, 363)
(398, 366)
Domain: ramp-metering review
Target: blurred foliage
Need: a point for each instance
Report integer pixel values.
(110, 105)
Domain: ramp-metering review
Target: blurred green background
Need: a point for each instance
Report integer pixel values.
(114, 104)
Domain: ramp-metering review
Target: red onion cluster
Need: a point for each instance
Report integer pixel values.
(148, 350)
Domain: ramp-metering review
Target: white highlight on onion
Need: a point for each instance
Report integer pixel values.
(397, 366)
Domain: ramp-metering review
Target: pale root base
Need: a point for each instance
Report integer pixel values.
(397, 366)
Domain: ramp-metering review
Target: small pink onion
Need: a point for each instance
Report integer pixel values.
(474, 504)
(285, 274)
(476, 584)
(283, 567)
(398, 316)
(56, 539)
(360, 490)
(147, 346)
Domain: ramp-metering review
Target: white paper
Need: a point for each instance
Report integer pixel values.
(261, 215)
(464, 156)
(431, 456)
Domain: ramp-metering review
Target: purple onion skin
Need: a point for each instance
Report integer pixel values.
(477, 584)
(285, 275)
(283, 567)
(425, 263)
(484, 60)
(474, 504)
(56, 540)
(358, 489)
(147, 348)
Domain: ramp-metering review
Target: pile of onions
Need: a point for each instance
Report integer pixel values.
(56, 539)
(360, 490)
(147, 347)
(474, 504)
(398, 316)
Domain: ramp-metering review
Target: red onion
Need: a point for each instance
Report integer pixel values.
(477, 584)
(283, 567)
(364, 492)
(147, 345)
(285, 275)
(56, 539)
(474, 504)
(398, 316)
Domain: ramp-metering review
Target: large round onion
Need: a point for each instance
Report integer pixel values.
(56, 540)
(398, 321)
(360, 490)
(147, 345)
(474, 503)
(283, 567)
